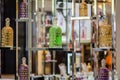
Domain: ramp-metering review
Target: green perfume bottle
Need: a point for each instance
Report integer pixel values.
(52, 36)
(55, 35)
(58, 37)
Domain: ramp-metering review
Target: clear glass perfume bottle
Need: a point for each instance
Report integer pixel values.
(83, 8)
(7, 34)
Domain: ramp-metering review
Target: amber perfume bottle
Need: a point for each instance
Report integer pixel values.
(83, 8)
(7, 34)
(23, 9)
(105, 34)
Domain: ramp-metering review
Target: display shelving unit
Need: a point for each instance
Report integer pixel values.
(47, 48)
(29, 47)
(11, 48)
(97, 49)
(112, 48)
(28, 22)
(74, 18)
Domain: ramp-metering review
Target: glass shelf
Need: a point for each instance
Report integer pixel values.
(81, 18)
(47, 61)
(23, 20)
(48, 75)
(63, 8)
(10, 48)
(35, 76)
(47, 48)
(103, 49)
(102, 1)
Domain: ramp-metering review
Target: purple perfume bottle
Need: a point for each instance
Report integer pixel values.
(23, 9)
(23, 70)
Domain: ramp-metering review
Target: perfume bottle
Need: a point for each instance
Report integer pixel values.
(7, 34)
(47, 65)
(58, 37)
(103, 73)
(48, 56)
(62, 68)
(23, 9)
(105, 34)
(23, 70)
(83, 8)
(52, 37)
(55, 35)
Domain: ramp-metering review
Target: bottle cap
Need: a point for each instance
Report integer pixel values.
(7, 21)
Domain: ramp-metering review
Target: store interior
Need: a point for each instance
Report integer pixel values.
(85, 34)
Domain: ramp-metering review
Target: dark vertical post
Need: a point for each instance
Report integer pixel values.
(0, 36)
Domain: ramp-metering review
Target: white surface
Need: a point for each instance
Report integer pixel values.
(6, 79)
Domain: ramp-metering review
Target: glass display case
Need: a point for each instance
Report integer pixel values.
(38, 22)
(105, 17)
(64, 26)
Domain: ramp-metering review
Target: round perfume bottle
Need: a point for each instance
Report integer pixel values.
(7, 35)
